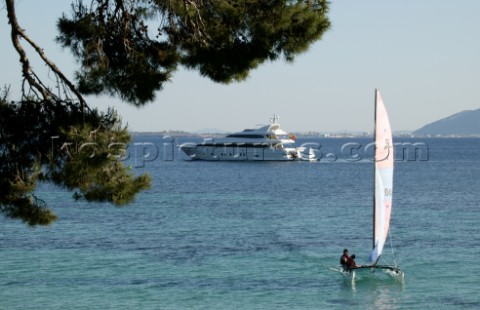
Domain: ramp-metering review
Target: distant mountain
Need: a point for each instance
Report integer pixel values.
(466, 123)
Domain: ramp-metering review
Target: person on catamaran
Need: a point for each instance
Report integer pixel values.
(351, 264)
(344, 260)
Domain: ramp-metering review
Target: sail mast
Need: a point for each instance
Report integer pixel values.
(374, 166)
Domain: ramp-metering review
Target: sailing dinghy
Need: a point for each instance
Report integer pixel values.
(383, 185)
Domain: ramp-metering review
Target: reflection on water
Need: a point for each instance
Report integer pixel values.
(375, 290)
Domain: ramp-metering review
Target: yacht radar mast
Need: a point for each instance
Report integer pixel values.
(274, 118)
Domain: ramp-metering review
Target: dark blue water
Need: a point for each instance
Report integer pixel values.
(256, 235)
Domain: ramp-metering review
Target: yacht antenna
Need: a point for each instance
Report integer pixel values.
(274, 118)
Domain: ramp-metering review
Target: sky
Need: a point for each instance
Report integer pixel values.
(423, 56)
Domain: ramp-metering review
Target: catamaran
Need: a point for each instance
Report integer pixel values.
(383, 190)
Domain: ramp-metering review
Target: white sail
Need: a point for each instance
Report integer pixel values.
(384, 160)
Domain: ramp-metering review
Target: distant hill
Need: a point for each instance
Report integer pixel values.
(466, 123)
(211, 130)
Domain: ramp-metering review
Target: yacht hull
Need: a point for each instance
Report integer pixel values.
(240, 153)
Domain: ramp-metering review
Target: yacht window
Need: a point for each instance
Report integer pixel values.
(245, 136)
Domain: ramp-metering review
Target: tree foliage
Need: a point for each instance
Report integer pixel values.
(55, 142)
(128, 49)
(120, 54)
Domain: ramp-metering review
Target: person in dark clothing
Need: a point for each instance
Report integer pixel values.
(351, 264)
(344, 260)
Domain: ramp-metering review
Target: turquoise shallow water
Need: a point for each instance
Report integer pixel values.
(223, 235)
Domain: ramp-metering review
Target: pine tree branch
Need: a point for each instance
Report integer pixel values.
(17, 33)
(52, 66)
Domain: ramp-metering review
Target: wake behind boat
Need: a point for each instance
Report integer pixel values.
(267, 143)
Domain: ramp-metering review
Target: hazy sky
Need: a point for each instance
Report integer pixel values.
(424, 57)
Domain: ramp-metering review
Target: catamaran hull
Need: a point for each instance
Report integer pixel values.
(372, 273)
(369, 271)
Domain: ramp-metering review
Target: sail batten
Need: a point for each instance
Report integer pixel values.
(383, 190)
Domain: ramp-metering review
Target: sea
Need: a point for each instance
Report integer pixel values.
(257, 235)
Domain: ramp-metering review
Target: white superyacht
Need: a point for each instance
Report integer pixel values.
(267, 143)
